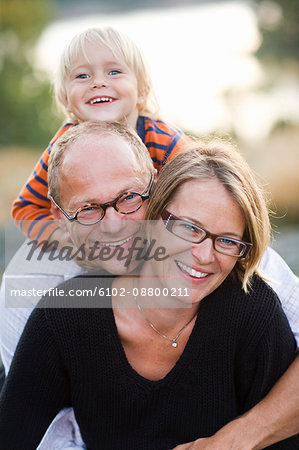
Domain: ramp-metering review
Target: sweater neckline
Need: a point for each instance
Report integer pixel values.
(174, 372)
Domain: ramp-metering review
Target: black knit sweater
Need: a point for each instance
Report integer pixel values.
(239, 347)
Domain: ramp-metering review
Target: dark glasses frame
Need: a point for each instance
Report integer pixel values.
(104, 206)
(169, 221)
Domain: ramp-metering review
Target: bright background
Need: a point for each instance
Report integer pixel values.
(226, 67)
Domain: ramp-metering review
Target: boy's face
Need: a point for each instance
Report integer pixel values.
(102, 87)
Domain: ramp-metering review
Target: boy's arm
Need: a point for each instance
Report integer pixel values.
(162, 140)
(275, 418)
(178, 142)
(32, 209)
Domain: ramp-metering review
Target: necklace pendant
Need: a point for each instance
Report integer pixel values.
(174, 344)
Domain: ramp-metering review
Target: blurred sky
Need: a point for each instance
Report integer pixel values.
(197, 53)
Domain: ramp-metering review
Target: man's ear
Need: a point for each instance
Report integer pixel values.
(56, 212)
(59, 217)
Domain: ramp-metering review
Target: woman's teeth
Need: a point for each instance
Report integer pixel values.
(190, 271)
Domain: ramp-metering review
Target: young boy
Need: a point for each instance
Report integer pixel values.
(102, 76)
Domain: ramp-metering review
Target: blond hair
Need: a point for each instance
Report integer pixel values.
(144, 163)
(203, 160)
(122, 47)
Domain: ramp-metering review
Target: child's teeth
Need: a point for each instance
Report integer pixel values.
(101, 99)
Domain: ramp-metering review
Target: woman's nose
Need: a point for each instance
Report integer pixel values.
(204, 252)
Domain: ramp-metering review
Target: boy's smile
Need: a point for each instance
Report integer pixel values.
(100, 86)
(97, 100)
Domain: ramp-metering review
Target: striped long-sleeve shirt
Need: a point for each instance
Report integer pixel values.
(32, 209)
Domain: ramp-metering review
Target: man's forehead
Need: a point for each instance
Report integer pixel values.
(98, 156)
(100, 187)
(106, 146)
(76, 194)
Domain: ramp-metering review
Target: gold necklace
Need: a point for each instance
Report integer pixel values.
(172, 340)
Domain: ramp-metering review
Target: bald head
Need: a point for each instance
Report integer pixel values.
(110, 146)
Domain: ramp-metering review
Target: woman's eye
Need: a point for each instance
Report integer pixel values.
(228, 242)
(114, 72)
(188, 227)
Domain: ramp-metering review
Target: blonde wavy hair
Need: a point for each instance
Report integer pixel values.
(123, 47)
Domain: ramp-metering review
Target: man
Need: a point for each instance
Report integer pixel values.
(97, 164)
(105, 164)
(85, 172)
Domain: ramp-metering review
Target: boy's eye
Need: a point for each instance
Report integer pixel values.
(82, 75)
(114, 72)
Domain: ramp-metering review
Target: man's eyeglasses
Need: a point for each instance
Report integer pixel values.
(192, 233)
(92, 213)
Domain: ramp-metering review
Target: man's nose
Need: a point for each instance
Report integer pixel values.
(204, 252)
(112, 222)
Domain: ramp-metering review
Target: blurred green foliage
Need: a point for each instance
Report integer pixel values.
(280, 39)
(26, 18)
(26, 114)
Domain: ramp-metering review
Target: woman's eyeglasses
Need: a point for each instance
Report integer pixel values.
(193, 233)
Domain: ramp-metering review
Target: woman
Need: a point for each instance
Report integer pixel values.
(152, 374)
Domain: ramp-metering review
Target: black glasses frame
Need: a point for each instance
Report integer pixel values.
(106, 205)
(169, 220)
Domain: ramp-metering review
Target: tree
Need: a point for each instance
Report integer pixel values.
(279, 25)
(25, 109)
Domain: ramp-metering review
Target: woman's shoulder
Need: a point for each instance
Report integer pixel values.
(260, 296)
(70, 298)
(74, 309)
(257, 287)
(249, 314)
